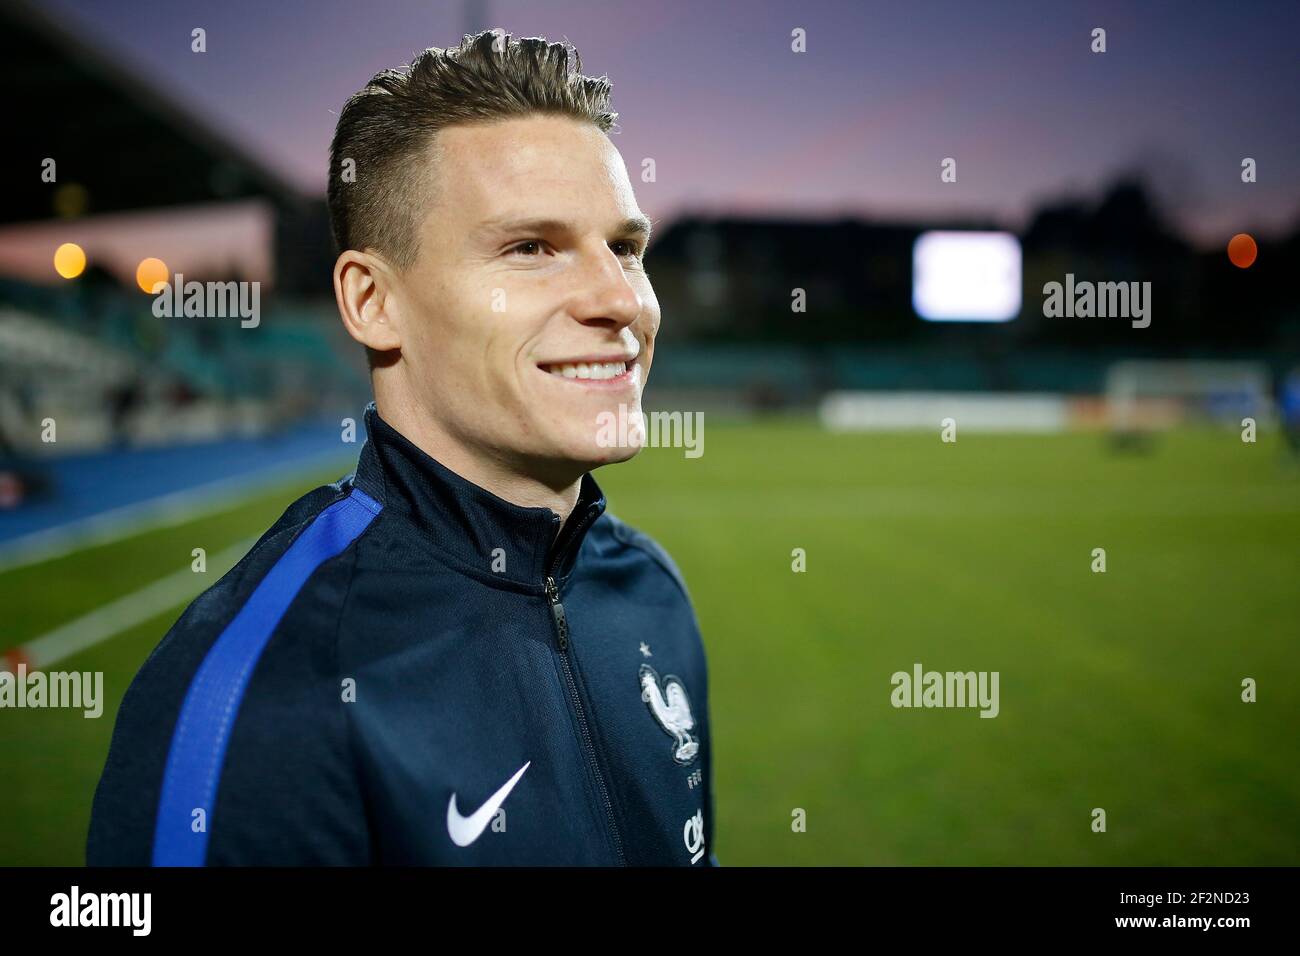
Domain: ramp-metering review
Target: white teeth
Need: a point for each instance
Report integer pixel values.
(589, 370)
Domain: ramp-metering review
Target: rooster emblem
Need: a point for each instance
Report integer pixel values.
(672, 710)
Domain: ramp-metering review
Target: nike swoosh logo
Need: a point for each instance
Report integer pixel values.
(465, 830)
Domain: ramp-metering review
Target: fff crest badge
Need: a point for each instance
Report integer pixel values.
(671, 708)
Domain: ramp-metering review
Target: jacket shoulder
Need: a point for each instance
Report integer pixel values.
(221, 651)
(629, 537)
(210, 612)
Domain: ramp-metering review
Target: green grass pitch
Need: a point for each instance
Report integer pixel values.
(1119, 690)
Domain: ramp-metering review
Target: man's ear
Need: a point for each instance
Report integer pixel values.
(364, 287)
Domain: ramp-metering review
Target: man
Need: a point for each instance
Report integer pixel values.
(455, 655)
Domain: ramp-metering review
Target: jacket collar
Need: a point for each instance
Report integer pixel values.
(469, 523)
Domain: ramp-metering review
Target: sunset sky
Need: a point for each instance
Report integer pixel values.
(736, 122)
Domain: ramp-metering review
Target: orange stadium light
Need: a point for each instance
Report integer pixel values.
(1242, 250)
(150, 273)
(69, 260)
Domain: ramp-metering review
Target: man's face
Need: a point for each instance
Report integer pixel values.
(528, 313)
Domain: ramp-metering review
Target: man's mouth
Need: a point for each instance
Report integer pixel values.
(588, 371)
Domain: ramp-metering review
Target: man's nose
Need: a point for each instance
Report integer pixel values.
(604, 294)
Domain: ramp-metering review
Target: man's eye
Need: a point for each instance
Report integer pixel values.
(526, 245)
(633, 249)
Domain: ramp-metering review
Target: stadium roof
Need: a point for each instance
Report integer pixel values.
(110, 132)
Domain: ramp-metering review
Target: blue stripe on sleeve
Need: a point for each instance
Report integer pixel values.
(198, 746)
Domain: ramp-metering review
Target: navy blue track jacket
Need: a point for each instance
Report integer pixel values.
(407, 669)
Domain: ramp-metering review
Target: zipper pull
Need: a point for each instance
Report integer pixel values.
(557, 613)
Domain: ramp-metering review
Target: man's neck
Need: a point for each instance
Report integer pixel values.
(502, 478)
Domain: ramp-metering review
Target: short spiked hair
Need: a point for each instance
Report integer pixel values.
(377, 185)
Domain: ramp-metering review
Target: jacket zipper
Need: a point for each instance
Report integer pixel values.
(561, 623)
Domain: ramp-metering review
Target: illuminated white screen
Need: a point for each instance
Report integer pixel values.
(966, 276)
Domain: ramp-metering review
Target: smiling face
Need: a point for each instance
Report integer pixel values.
(527, 312)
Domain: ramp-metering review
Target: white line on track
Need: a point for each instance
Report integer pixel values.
(123, 614)
(165, 511)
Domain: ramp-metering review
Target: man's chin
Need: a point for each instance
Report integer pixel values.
(590, 454)
(612, 456)
(588, 438)
(587, 452)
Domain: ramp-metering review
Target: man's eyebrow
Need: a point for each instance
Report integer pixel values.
(633, 226)
(636, 226)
